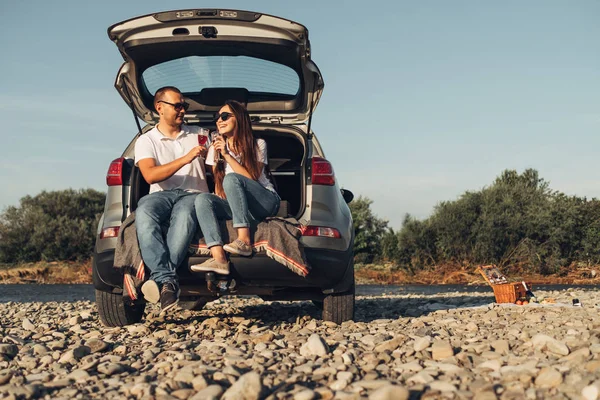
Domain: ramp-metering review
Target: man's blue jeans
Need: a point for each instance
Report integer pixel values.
(248, 202)
(173, 210)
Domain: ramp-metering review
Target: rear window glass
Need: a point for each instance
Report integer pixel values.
(192, 74)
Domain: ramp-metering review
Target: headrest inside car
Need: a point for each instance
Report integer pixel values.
(218, 96)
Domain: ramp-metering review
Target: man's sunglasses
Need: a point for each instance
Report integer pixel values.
(177, 106)
(224, 116)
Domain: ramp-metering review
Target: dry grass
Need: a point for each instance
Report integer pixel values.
(454, 274)
(47, 272)
(80, 272)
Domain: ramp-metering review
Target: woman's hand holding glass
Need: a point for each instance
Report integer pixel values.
(220, 146)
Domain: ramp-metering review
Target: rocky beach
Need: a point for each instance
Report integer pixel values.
(445, 345)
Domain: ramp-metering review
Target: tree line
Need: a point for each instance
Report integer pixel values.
(516, 222)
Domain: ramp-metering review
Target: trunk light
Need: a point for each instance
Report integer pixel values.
(110, 232)
(321, 231)
(322, 172)
(114, 176)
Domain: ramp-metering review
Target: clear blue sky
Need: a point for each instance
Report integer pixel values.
(423, 99)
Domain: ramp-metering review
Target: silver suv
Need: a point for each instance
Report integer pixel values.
(213, 55)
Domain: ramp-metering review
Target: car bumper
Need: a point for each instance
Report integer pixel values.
(331, 272)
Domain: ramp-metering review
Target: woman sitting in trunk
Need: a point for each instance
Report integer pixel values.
(242, 190)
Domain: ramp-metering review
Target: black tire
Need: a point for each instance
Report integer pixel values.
(339, 307)
(318, 304)
(114, 312)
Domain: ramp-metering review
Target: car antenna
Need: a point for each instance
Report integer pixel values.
(137, 122)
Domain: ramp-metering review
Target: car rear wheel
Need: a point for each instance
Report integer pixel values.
(339, 307)
(114, 312)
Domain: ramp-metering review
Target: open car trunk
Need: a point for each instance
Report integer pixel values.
(286, 152)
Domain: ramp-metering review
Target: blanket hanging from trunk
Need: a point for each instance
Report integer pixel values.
(279, 238)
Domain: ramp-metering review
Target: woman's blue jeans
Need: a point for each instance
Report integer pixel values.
(173, 210)
(248, 202)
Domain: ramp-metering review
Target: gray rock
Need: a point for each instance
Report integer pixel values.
(314, 346)
(9, 350)
(390, 345)
(110, 368)
(28, 325)
(97, 345)
(390, 392)
(422, 343)
(212, 392)
(247, 387)
(590, 392)
(441, 349)
(548, 377)
(305, 394)
(541, 341)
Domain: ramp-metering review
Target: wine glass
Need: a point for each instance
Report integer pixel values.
(218, 155)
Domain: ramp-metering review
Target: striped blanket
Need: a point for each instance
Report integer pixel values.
(279, 238)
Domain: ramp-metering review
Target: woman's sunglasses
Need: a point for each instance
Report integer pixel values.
(177, 106)
(224, 116)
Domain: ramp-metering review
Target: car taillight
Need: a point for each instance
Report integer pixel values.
(110, 232)
(322, 172)
(322, 231)
(114, 176)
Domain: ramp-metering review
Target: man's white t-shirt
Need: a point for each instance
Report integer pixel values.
(153, 144)
(262, 157)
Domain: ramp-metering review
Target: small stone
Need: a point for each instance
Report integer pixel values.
(472, 327)
(110, 368)
(422, 343)
(548, 377)
(541, 341)
(314, 346)
(28, 325)
(265, 338)
(75, 320)
(390, 345)
(390, 392)
(500, 346)
(199, 383)
(79, 375)
(183, 394)
(96, 345)
(5, 377)
(9, 350)
(306, 394)
(441, 349)
(247, 387)
(39, 349)
(590, 392)
(212, 392)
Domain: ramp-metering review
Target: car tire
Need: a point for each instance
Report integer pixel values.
(318, 304)
(114, 312)
(339, 307)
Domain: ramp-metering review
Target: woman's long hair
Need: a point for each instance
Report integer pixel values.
(244, 145)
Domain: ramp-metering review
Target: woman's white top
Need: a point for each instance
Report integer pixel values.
(262, 157)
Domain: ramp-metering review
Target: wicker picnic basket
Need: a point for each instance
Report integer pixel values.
(509, 292)
(506, 292)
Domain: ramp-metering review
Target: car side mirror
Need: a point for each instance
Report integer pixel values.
(347, 195)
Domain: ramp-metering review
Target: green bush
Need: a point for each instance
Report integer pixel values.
(517, 222)
(368, 231)
(58, 225)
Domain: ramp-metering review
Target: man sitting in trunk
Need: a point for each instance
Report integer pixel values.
(171, 161)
